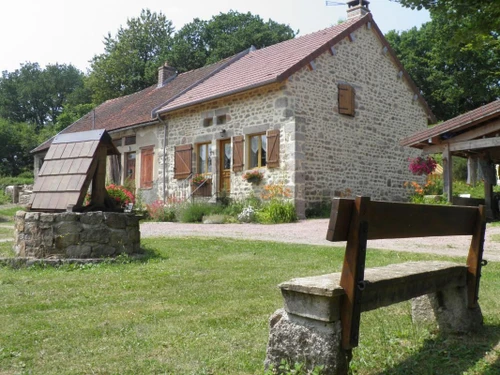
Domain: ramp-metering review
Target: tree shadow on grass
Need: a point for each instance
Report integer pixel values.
(454, 355)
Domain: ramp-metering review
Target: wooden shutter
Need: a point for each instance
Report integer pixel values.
(346, 99)
(273, 149)
(182, 161)
(238, 153)
(147, 156)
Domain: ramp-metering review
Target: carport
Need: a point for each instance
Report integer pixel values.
(475, 135)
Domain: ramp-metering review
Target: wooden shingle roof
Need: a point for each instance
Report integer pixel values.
(68, 169)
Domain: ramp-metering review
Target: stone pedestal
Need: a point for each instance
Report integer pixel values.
(448, 310)
(308, 329)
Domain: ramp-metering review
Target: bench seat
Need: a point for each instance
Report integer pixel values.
(318, 297)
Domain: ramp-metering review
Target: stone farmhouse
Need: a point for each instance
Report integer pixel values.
(322, 114)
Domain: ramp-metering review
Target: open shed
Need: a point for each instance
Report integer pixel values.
(73, 161)
(474, 135)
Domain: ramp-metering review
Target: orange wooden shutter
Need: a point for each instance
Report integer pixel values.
(346, 99)
(273, 149)
(238, 153)
(147, 156)
(182, 161)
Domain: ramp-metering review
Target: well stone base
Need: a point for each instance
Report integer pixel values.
(76, 235)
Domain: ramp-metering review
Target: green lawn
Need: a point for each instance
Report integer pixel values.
(200, 306)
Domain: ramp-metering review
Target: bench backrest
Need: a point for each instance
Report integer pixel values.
(361, 219)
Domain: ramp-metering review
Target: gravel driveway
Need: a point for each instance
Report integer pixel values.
(313, 232)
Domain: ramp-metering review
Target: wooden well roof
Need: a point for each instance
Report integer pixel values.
(68, 169)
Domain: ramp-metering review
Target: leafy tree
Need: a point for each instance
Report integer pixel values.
(454, 77)
(475, 18)
(37, 96)
(17, 140)
(204, 42)
(131, 59)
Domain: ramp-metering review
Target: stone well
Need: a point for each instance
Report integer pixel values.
(76, 235)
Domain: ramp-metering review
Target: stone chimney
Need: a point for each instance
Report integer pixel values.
(164, 73)
(357, 8)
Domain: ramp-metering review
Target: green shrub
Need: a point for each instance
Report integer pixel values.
(4, 198)
(158, 211)
(277, 211)
(6, 181)
(194, 212)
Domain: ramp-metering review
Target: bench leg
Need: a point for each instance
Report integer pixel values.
(309, 342)
(448, 309)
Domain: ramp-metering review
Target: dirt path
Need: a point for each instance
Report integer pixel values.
(313, 232)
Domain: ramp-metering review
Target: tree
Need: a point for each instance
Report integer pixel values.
(454, 77)
(204, 42)
(37, 96)
(17, 140)
(131, 59)
(475, 18)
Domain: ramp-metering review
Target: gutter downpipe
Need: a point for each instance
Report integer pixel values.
(165, 127)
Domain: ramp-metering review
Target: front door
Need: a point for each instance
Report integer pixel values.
(225, 165)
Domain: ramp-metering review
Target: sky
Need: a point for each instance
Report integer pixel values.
(67, 31)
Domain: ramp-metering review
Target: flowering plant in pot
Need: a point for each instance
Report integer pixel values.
(419, 165)
(199, 179)
(254, 176)
(120, 194)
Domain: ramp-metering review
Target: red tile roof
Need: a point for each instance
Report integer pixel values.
(471, 118)
(270, 64)
(247, 70)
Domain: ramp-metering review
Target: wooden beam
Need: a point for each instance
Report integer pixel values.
(447, 173)
(475, 144)
(434, 149)
(480, 131)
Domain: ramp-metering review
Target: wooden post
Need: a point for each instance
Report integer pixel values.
(447, 173)
(472, 170)
(353, 272)
(475, 258)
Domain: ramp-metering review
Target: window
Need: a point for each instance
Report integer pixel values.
(346, 99)
(130, 140)
(208, 122)
(221, 120)
(204, 158)
(147, 156)
(263, 150)
(257, 151)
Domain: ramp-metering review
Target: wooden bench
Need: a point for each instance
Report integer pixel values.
(327, 308)
(359, 220)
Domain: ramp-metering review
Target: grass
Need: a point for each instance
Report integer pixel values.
(7, 214)
(200, 306)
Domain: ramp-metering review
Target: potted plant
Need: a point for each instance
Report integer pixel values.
(254, 176)
(199, 179)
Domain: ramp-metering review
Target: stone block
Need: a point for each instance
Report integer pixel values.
(63, 241)
(102, 251)
(78, 251)
(448, 310)
(67, 227)
(95, 234)
(66, 216)
(31, 217)
(47, 218)
(115, 220)
(304, 341)
(281, 102)
(92, 218)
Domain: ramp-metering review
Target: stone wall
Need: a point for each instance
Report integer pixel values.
(76, 235)
(21, 194)
(360, 154)
(253, 112)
